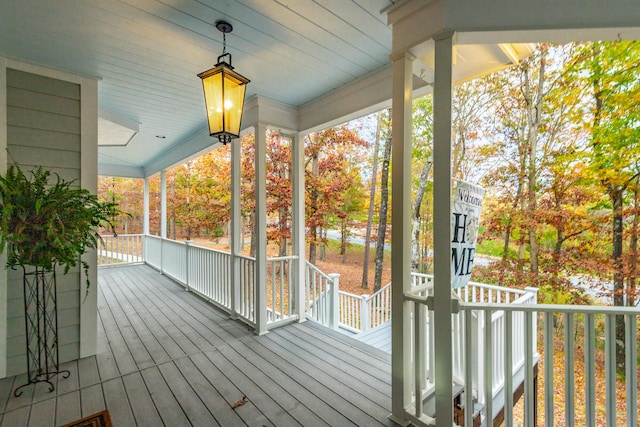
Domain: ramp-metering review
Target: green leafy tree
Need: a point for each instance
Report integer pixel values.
(612, 70)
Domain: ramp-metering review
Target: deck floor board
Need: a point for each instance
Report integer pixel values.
(67, 408)
(92, 400)
(168, 357)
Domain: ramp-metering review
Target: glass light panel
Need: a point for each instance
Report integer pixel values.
(224, 92)
(213, 98)
(234, 90)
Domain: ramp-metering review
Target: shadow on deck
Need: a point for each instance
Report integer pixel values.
(166, 357)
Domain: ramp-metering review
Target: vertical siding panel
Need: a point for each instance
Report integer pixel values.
(40, 112)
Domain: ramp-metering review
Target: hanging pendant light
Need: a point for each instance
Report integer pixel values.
(224, 91)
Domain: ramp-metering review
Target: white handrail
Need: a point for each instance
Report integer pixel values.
(279, 280)
(122, 249)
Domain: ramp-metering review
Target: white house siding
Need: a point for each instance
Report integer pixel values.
(43, 128)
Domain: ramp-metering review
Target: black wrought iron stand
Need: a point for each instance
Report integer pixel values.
(41, 327)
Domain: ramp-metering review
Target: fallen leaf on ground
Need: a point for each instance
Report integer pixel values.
(240, 402)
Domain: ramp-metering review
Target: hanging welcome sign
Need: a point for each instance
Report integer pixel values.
(465, 220)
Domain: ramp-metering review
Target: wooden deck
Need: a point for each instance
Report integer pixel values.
(166, 357)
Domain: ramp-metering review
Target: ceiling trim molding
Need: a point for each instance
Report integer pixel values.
(276, 115)
(121, 171)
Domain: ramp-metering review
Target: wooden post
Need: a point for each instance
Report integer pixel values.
(260, 277)
(298, 228)
(442, 91)
(163, 216)
(145, 220)
(401, 236)
(235, 235)
(187, 249)
(334, 301)
(365, 315)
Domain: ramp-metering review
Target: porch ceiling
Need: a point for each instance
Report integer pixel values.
(312, 57)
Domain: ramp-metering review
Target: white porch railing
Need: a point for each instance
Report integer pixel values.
(321, 296)
(119, 250)
(500, 346)
(153, 251)
(247, 267)
(207, 272)
(280, 292)
(174, 260)
(495, 331)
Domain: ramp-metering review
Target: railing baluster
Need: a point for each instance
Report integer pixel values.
(631, 364)
(316, 298)
(548, 370)
(610, 368)
(589, 370)
(468, 370)
(488, 367)
(432, 340)
(508, 370)
(285, 288)
(569, 357)
(529, 396)
(273, 290)
(418, 325)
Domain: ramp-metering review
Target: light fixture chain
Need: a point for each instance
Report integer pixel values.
(224, 43)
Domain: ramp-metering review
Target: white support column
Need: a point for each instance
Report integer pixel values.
(260, 307)
(401, 236)
(297, 226)
(442, 226)
(145, 218)
(3, 256)
(89, 181)
(163, 216)
(236, 220)
(163, 204)
(334, 301)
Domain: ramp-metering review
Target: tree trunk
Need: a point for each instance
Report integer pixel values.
(415, 216)
(557, 250)
(633, 247)
(507, 241)
(313, 247)
(534, 113)
(374, 177)
(282, 226)
(618, 275)
(322, 247)
(242, 233)
(344, 233)
(384, 202)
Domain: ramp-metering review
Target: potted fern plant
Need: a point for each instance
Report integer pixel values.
(45, 223)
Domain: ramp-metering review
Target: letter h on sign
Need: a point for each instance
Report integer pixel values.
(457, 227)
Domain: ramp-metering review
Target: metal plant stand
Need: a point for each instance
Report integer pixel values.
(41, 327)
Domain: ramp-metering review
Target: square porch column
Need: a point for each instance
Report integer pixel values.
(163, 216)
(401, 235)
(145, 218)
(260, 296)
(3, 256)
(442, 91)
(298, 227)
(235, 234)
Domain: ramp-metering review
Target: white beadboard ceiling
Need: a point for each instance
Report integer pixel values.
(147, 53)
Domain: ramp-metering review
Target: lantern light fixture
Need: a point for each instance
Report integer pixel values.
(224, 91)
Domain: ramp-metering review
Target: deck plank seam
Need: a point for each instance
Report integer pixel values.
(369, 385)
(281, 364)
